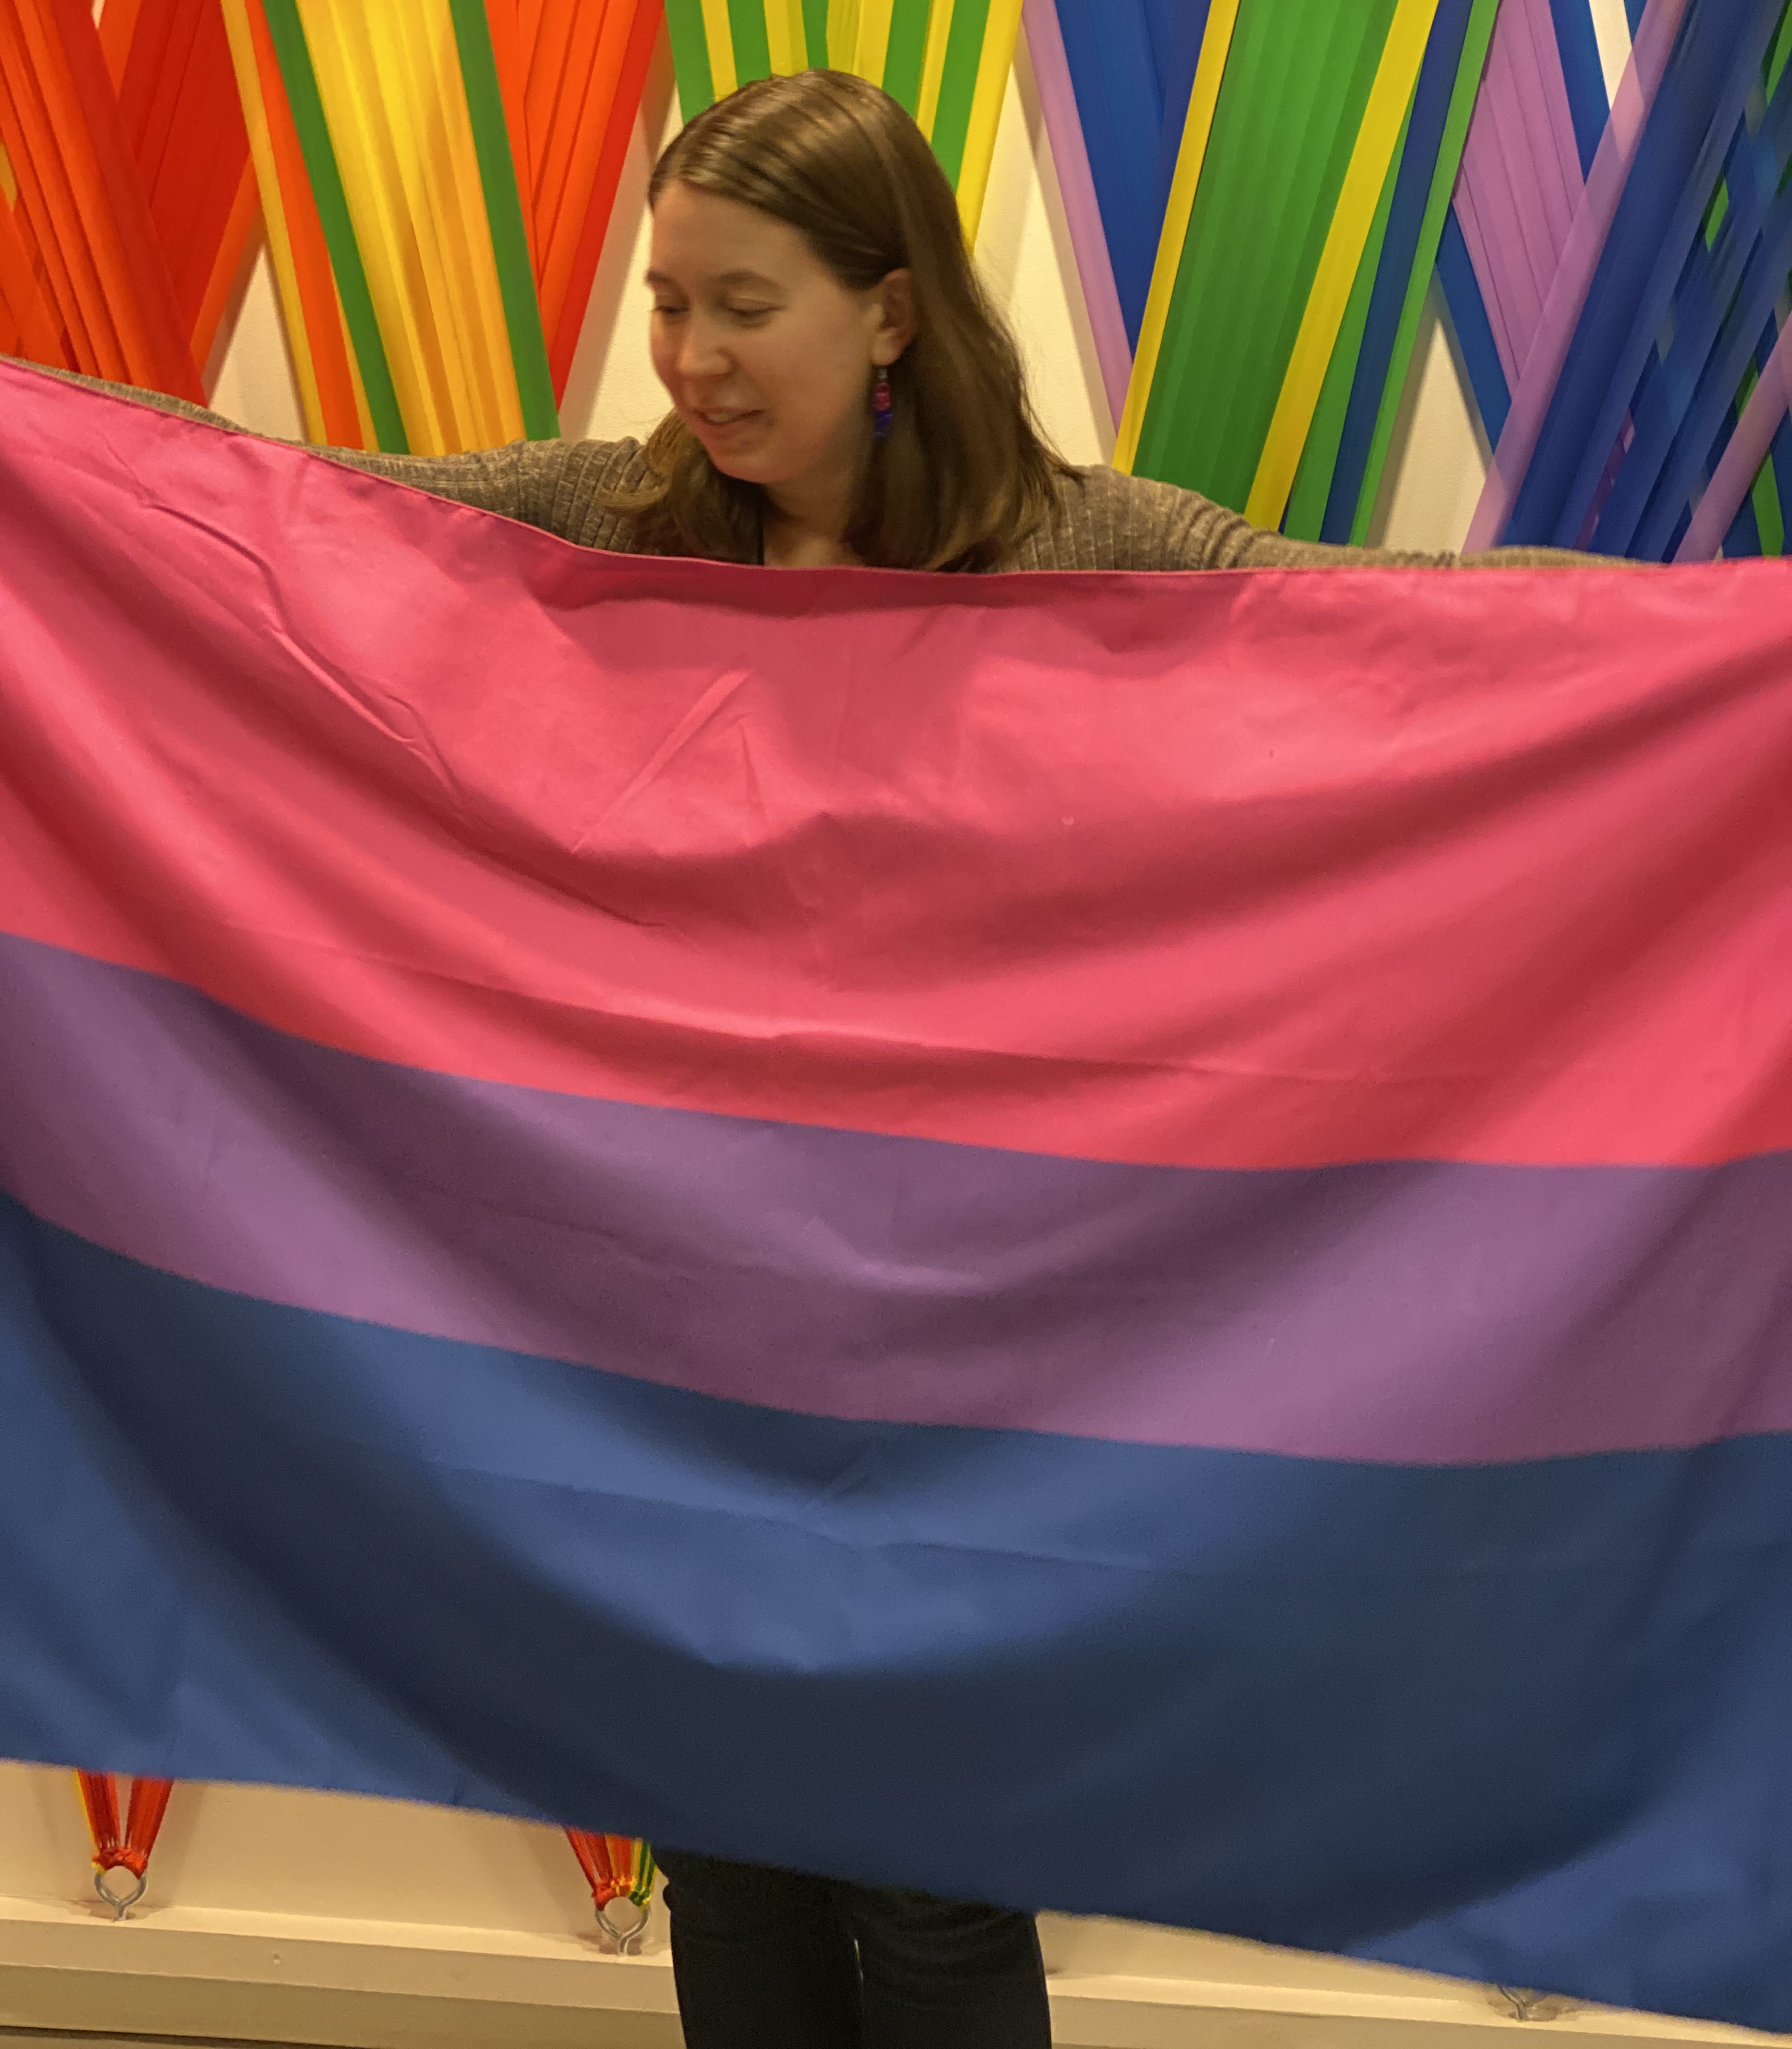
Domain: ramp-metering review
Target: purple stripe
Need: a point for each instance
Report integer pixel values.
(1521, 175)
(1574, 274)
(1076, 185)
(1436, 1313)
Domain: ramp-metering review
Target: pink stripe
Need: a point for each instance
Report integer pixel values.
(1083, 213)
(1257, 868)
(1574, 274)
(1747, 449)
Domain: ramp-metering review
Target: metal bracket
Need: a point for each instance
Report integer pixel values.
(120, 1902)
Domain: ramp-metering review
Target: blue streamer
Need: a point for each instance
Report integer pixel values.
(1714, 394)
(1716, 59)
(1744, 536)
(1467, 310)
(1126, 60)
(1582, 74)
(1412, 189)
(1182, 26)
(1724, 294)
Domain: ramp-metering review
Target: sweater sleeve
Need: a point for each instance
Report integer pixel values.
(1133, 523)
(525, 480)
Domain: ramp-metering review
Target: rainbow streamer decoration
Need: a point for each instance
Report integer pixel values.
(422, 274)
(1303, 194)
(947, 61)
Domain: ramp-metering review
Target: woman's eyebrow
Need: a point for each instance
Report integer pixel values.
(728, 278)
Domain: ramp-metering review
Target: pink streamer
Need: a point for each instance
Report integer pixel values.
(1083, 214)
(1574, 273)
(1520, 177)
(1746, 450)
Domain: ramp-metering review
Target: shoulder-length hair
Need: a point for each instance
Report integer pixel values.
(964, 474)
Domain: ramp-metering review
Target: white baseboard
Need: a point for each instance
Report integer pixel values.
(185, 1975)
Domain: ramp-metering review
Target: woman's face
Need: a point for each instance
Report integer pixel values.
(767, 357)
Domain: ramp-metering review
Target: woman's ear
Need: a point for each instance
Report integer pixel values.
(895, 326)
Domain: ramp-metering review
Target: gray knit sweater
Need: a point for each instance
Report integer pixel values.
(1105, 520)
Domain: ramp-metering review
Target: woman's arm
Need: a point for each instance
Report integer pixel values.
(1132, 523)
(550, 484)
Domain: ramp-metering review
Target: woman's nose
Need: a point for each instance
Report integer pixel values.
(700, 351)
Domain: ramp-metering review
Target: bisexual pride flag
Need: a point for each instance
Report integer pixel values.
(1108, 1242)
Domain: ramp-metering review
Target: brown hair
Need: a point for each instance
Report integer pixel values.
(964, 474)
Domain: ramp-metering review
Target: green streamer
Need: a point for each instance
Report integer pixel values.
(293, 54)
(1778, 55)
(752, 47)
(1318, 459)
(504, 210)
(814, 31)
(907, 55)
(690, 56)
(957, 85)
(1768, 514)
(1431, 234)
(1297, 79)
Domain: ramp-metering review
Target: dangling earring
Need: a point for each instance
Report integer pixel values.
(883, 409)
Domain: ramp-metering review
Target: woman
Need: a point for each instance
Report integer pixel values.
(841, 393)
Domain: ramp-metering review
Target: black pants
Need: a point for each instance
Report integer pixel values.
(769, 1959)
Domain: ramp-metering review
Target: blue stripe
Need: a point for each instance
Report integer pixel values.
(1400, 252)
(1474, 332)
(1583, 74)
(1528, 1723)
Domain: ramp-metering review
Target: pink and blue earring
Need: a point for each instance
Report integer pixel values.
(883, 409)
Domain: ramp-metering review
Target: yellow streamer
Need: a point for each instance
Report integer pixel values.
(784, 37)
(382, 227)
(1396, 76)
(273, 213)
(390, 82)
(842, 33)
(1196, 127)
(994, 64)
(871, 47)
(933, 64)
(719, 35)
(415, 51)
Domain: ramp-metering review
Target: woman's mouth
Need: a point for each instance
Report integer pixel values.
(718, 421)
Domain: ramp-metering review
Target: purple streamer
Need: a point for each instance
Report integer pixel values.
(1573, 277)
(1083, 213)
(1742, 456)
(1520, 177)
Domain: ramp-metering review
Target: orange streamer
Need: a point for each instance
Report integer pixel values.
(577, 68)
(644, 33)
(82, 213)
(311, 256)
(131, 1850)
(178, 105)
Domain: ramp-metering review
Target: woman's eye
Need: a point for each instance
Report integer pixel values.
(667, 312)
(751, 314)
